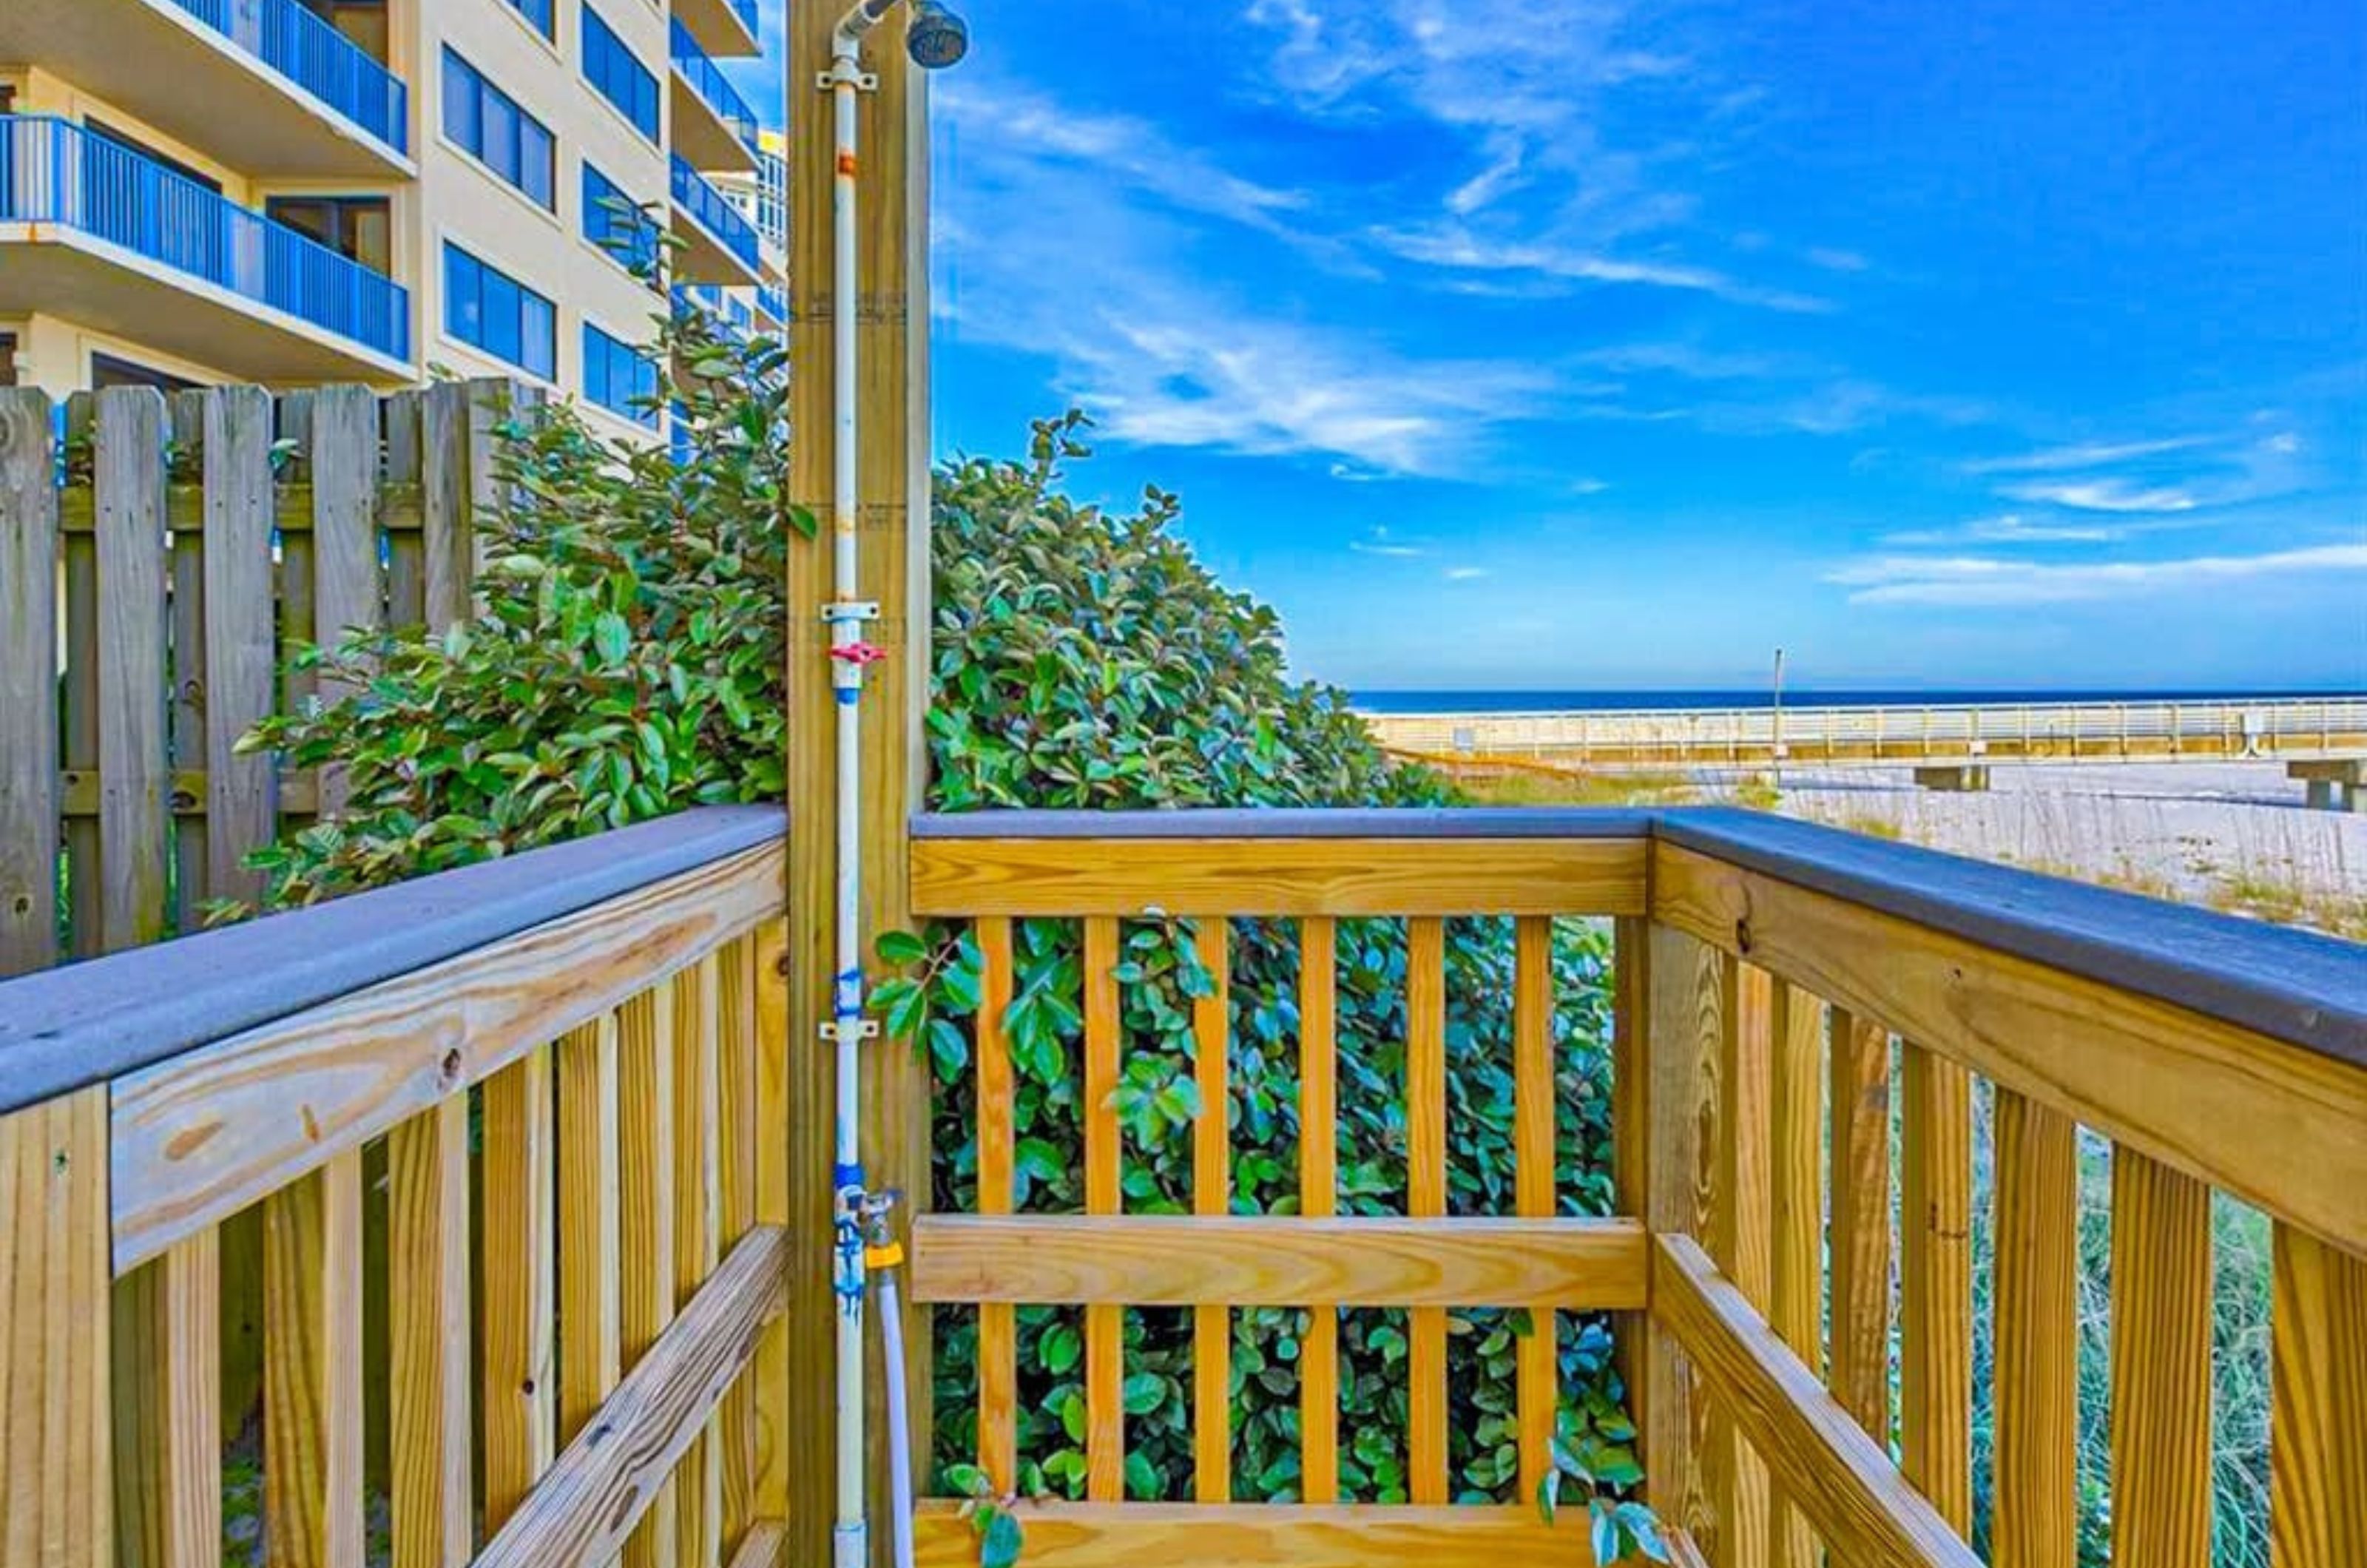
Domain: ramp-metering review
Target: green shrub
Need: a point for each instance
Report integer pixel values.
(1085, 660)
(626, 661)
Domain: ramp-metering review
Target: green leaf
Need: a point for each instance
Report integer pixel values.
(899, 948)
(1001, 1544)
(1143, 1392)
(611, 638)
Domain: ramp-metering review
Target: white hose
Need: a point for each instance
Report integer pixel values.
(899, 1422)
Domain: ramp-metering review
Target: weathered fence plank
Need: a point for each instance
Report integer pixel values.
(29, 691)
(130, 481)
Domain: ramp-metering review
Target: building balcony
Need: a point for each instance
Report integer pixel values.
(721, 27)
(720, 244)
(773, 304)
(713, 126)
(306, 102)
(92, 230)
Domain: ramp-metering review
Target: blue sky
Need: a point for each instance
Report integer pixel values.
(1570, 342)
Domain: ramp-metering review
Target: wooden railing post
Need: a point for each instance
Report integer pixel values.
(893, 524)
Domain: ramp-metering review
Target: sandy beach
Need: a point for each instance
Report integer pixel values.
(2236, 835)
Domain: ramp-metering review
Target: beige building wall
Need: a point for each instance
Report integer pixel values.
(453, 199)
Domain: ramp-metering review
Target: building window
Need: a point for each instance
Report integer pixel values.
(106, 371)
(610, 67)
(541, 15)
(489, 123)
(614, 223)
(619, 377)
(7, 359)
(486, 308)
(360, 227)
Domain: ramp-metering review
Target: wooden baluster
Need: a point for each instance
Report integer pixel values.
(1796, 1196)
(997, 1344)
(1212, 1325)
(1426, 1197)
(1935, 1281)
(697, 1203)
(1631, 1002)
(55, 1506)
(2318, 1435)
(1535, 1194)
(1319, 1198)
(1104, 1325)
(645, 1062)
(1685, 1020)
(1859, 1374)
(736, 1079)
(168, 1378)
(589, 1187)
(2161, 1365)
(519, 1251)
(1740, 1234)
(2037, 1298)
(311, 1378)
(770, 1377)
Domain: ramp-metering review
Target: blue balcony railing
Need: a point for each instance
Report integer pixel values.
(52, 170)
(746, 11)
(714, 212)
(773, 302)
(711, 86)
(317, 58)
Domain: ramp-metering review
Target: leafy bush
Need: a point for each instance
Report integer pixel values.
(626, 661)
(1086, 660)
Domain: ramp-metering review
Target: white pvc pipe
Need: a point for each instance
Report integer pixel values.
(850, 1545)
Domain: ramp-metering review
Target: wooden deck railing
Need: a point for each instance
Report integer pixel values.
(1783, 991)
(476, 1188)
(459, 1182)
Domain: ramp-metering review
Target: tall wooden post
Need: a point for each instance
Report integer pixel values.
(893, 527)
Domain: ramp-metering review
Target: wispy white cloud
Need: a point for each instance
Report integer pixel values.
(1379, 542)
(2084, 455)
(1099, 276)
(2011, 529)
(1560, 183)
(1465, 573)
(2103, 495)
(1456, 245)
(1987, 581)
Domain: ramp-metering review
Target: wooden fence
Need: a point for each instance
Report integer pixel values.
(160, 559)
(1785, 995)
(509, 1139)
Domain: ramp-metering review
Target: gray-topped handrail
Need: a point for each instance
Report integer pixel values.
(63, 1029)
(2296, 986)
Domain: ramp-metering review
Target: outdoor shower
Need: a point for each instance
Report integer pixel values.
(934, 39)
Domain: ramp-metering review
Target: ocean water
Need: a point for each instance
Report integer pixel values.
(1592, 701)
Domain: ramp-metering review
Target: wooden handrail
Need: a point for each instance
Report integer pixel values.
(61, 1029)
(2294, 986)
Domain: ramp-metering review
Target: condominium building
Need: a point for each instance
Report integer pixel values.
(304, 191)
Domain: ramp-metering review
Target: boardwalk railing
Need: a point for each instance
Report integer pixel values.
(2231, 729)
(475, 1188)
(1783, 992)
(160, 560)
